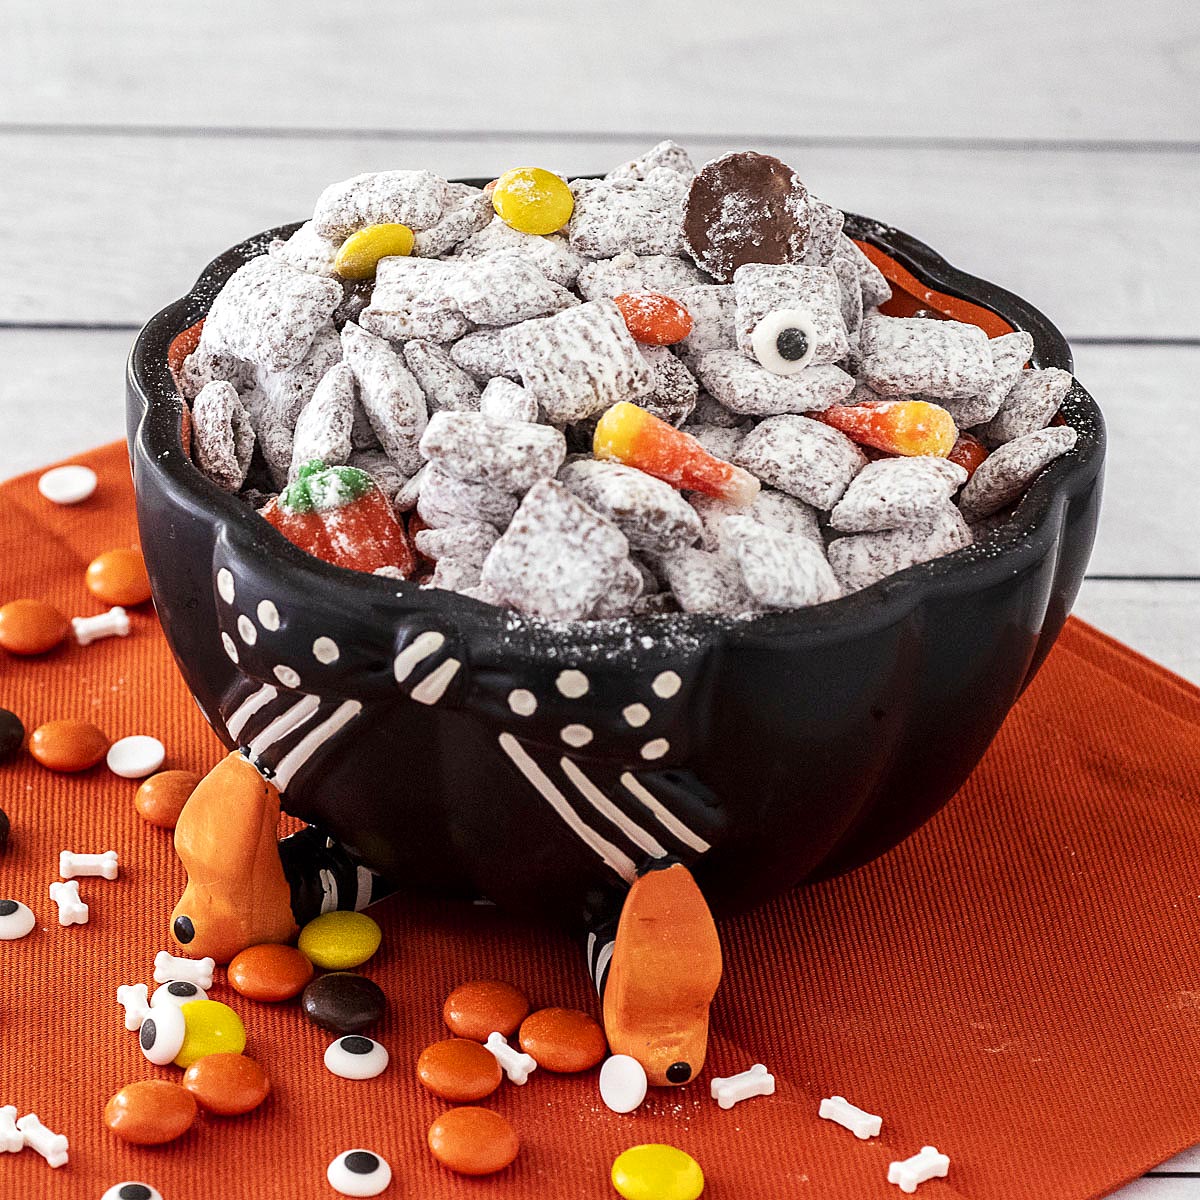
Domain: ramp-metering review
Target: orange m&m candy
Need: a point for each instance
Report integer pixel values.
(31, 627)
(151, 1112)
(161, 798)
(654, 319)
(459, 1070)
(227, 1084)
(484, 1006)
(473, 1141)
(68, 745)
(269, 972)
(119, 577)
(563, 1040)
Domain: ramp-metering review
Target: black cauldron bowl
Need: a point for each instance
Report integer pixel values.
(460, 748)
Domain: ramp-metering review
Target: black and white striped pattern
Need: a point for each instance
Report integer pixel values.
(324, 876)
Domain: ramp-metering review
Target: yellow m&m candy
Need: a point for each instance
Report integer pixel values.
(360, 253)
(657, 1172)
(210, 1027)
(532, 200)
(339, 940)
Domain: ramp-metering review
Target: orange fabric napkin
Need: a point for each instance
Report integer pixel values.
(1018, 984)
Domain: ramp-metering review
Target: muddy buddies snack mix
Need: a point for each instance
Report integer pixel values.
(752, 429)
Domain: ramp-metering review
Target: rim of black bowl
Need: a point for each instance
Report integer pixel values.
(1021, 540)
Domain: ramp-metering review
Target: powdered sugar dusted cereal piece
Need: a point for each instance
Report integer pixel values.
(864, 558)
(323, 427)
(502, 289)
(413, 198)
(1010, 353)
(824, 229)
(761, 289)
(205, 364)
(388, 477)
(719, 440)
(621, 597)
(897, 491)
(390, 396)
(667, 154)
(714, 320)
(665, 273)
(306, 250)
(709, 411)
(871, 280)
(222, 438)
(905, 356)
(1030, 405)
(779, 569)
(406, 496)
(802, 457)
(558, 556)
(742, 386)
(579, 362)
(415, 298)
(1008, 471)
(509, 457)
(503, 400)
(268, 313)
(851, 292)
(650, 513)
(550, 253)
(485, 355)
(446, 500)
(445, 384)
(776, 510)
(643, 216)
(706, 583)
(675, 388)
(745, 208)
(468, 210)
(470, 542)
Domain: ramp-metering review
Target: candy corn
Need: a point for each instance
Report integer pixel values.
(909, 427)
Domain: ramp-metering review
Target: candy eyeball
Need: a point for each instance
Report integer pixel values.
(178, 992)
(356, 1057)
(131, 1191)
(784, 340)
(162, 1033)
(358, 1173)
(16, 920)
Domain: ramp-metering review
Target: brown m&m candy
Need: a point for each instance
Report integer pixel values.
(31, 627)
(67, 745)
(563, 1040)
(343, 1002)
(459, 1070)
(161, 798)
(473, 1141)
(745, 208)
(474, 1010)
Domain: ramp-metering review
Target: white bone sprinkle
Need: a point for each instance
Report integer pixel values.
(860, 1123)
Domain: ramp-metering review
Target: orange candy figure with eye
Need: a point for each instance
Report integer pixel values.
(907, 427)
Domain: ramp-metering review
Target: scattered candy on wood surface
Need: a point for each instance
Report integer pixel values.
(68, 745)
(67, 485)
(135, 757)
(161, 1034)
(131, 1190)
(12, 733)
(359, 1173)
(160, 799)
(150, 1112)
(657, 1172)
(623, 1083)
(476, 1009)
(16, 920)
(133, 998)
(339, 940)
(50, 1145)
(356, 1057)
(227, 1084)
(169, 966)
(756, 1081)
(860, 1123)
(101, 866)
(210, 1028)
(532, 200)
(921, 1167)
(343, 1002)
(71, 910)
(178, 992)
(563, 1040)
(473, 1141)
(114, 623)
(29, 627)
(118, 577)
(269, 973)
(12, 1140)
(459, 1070)
(516, 1065)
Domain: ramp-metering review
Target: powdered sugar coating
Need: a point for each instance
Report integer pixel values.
(802, 457)
(204, 365)
(713, 309)
(824, 231)
(415, 298)
(760, 289)
(1008, 471)
(485, 355)
(503, 400)
(642, 216)
(324, 425)
(675, 390)
(413, 198)
(388, 477)
(307, 250)
(502, 289)
(446, 500)
(721, 441)
(896, 491)
(704, 582)
(621, 597)
(743, 386)
(862, 559)
(780, 570)
(776, 510)
(1030, 405)
(1010, 353)
(468, 210)
(664, 273)
(445, 384)
(511, 457)
(907, 356)
(666, 154)
(550, 253)
(222, 439)
(873, 283)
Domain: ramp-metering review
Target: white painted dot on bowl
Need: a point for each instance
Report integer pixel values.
(225, 588)
(666, 685)
(135, 757)
(246, 630)
(268, 616)
(230, 648)
(576, 735)
(287, 676)
(572, 684)
(656, 748)
(636, 715)
(523, 702)
(325, 650)
(67, 485)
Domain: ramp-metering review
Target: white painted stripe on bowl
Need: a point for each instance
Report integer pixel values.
(671, 823)
(602, 804)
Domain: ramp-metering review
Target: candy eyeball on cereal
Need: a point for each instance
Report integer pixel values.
(162, 1033)
(785, 340)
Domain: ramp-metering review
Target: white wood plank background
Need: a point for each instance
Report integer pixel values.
(1050, 145)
